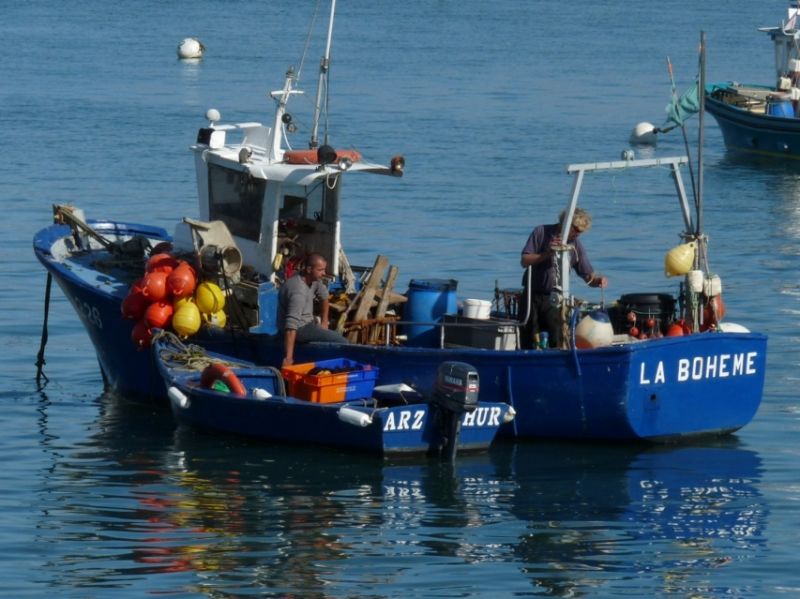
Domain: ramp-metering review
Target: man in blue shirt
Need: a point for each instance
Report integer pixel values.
(538, 253)
(296, 307)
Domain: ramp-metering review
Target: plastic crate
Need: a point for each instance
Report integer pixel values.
(357, 383)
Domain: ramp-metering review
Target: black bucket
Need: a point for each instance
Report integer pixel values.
(658, 306)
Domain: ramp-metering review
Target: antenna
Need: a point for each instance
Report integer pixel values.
(324, 66)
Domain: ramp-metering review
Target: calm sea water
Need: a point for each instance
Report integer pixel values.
(488, 101)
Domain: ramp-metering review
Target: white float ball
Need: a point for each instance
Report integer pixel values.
(190, 48)
(644, 134)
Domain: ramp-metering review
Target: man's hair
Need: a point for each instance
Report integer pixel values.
(581, 220)
(313, 259)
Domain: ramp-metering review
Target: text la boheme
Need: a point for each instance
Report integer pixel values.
(701, 367)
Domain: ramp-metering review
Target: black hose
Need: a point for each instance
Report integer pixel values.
(40, 361)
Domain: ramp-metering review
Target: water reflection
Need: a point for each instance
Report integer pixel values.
(138, 503)
(598, 514)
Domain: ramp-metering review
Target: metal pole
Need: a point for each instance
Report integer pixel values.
(700, 136)
(324, 66)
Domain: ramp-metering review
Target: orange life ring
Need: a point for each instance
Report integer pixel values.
(217, 371)
(312, 156)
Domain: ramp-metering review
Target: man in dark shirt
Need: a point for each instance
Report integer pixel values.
(538, 253)
(296, 308)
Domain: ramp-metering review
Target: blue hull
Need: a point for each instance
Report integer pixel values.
(659, 389)
(400, 429)
(391, 429)
(753, 133)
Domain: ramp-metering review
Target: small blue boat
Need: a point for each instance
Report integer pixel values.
(252, 401)
(763, 119)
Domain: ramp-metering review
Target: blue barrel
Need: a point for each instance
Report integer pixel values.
(780, 106)
(428, 300)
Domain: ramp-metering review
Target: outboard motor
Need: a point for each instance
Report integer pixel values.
(455, 393)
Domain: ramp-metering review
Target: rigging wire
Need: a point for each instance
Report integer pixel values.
(308, 40)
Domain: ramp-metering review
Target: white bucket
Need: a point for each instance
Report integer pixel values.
(477, 308)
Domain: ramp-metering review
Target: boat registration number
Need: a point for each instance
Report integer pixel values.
(414, 420)
(87, 312)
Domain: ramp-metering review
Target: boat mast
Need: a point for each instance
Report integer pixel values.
(324, 66)
(700, 136)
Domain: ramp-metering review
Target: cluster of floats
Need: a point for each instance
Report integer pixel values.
(189, 316)
(764, 119)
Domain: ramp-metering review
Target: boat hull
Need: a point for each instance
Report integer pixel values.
(754, 133)
(659, 389)
(399, 429)
(380, 428)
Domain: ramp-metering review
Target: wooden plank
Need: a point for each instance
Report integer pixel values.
(368, 292)
(386, 294)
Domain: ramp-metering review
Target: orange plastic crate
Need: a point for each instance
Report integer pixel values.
(330, 388)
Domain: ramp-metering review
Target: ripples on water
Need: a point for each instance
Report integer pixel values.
(488, 102)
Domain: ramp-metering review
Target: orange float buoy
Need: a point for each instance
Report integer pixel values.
(161, 263)
(675, 330)
(134, 304)
(181, 281)
(154, 286)
(219, 372)
(158, 315)
(141, 335)
(713, 312)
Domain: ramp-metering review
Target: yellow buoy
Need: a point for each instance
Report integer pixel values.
(217, 319)
(209, 298)
(186, 319)
(679, 260)
(180, 301)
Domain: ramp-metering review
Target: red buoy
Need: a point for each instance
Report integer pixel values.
(154, 286)
(158, 315)
(181, 281)
(134, 304)
(161, 263)
(141, 335)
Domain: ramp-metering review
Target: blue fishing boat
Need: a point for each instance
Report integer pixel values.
(763, 119)
(657, 367)
(343, 409)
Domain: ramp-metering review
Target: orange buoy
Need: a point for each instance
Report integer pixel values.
(158, 315)
(713, 312)
(161, 263)
(154, 286)
(141, 335)
(675, 330)
(322, 155)
(218, 371)
(181, 281)
(134, 304)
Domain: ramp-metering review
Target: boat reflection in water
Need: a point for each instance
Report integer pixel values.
(220, 514)
(665, 514)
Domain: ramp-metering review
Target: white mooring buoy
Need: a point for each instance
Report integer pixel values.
(644, 134)
(190, 47)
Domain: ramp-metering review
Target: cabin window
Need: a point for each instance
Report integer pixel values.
(236, 198)
(317, 202)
